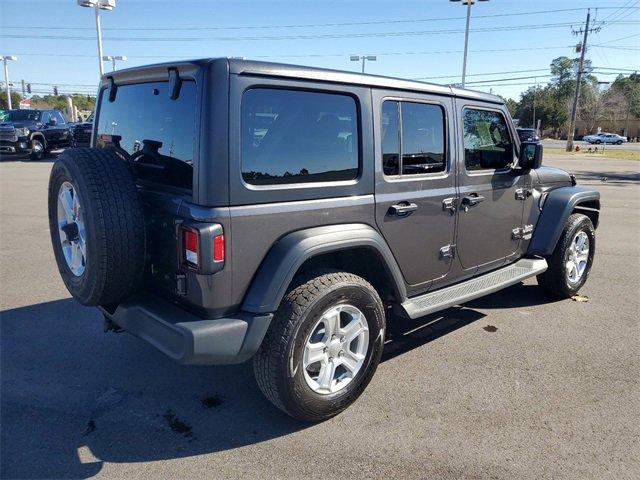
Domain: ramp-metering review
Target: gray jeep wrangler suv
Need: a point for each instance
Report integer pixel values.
(231, 209)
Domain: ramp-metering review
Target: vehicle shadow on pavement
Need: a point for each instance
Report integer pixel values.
(73, 397)
(404, 334)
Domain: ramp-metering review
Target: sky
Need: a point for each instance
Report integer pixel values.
(511, 43)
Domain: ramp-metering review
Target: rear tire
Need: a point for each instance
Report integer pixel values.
(279, 365)
(105, 206)
(566, 275)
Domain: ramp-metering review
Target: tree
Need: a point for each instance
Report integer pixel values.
(15, 100)
(511, 104)
(60, 101)
(629, 89)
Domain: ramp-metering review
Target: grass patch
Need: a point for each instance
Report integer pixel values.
(608, 153)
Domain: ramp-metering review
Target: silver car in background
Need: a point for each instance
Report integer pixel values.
(599, 138)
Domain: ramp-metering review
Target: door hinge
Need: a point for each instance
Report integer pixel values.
(448, 251)
(523, 233)
(449, 205)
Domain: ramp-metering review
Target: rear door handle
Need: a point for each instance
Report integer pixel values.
(402, 209)
(472, 200)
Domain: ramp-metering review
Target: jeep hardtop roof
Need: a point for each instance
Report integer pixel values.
(269, 69)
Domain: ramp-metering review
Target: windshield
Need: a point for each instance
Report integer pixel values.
(22, 115)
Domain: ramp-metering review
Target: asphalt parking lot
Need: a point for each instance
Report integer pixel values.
(551, 391)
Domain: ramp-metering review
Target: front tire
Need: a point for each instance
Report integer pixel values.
(619, 142)
(323, 346)
(571, 261)
(37, 150)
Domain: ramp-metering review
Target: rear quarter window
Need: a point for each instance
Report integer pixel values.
(153, 132)
(294, 136)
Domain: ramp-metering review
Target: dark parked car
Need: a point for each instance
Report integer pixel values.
(81, 132)
(33, 132)
(234, 209)
(528, 135)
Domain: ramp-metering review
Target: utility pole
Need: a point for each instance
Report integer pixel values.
(535, 90)
(98, 5)
(576, 98)
(357, 58)
(24, 90)
(6, 58)
(468, 3)
(626, 121)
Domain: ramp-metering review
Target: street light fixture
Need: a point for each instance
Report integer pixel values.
(468, 3)
(113, 58)
(98, 5)
(6, 58)
(357, 58)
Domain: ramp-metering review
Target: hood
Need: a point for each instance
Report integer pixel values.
(24, 123)
(547, 175)
(88, 125)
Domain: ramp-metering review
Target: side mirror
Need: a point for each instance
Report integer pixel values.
(53, 121)
(530, 155)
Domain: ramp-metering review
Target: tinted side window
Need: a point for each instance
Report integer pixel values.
(46, 116)
(59, 117)
(421, 143)
(291, 136)
(422, 138)
(390, 138)
(145, 126)
(487, 143)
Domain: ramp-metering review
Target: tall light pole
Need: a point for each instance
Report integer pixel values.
(468, 3)
(6, 58)
(113, 58)
(98, 5)
(357, 58)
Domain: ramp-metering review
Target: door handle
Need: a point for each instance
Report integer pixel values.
(402, 209)
(472, 200)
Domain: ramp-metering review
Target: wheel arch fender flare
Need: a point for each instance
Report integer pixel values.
(38, 136)
(558, 205)
(288, 254)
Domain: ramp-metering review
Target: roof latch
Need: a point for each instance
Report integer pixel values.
(175, 83)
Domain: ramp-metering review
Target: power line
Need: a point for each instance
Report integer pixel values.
(305, 37)
(309, 25)
(623, 12)
(311, 55)
(615, 10)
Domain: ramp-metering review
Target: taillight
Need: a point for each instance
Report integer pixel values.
(218, 248)
(190, 242)
(202, 247)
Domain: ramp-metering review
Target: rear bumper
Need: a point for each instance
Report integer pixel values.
(189, 339)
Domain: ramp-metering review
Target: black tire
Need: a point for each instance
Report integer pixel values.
(555, 280)
(37, 150)
(619, 142)
(278, 364)
(598, 142)
(114, 226)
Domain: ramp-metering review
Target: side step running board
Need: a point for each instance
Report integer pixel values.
(476, 287)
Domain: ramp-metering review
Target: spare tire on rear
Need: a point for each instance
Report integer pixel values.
(97, 226)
